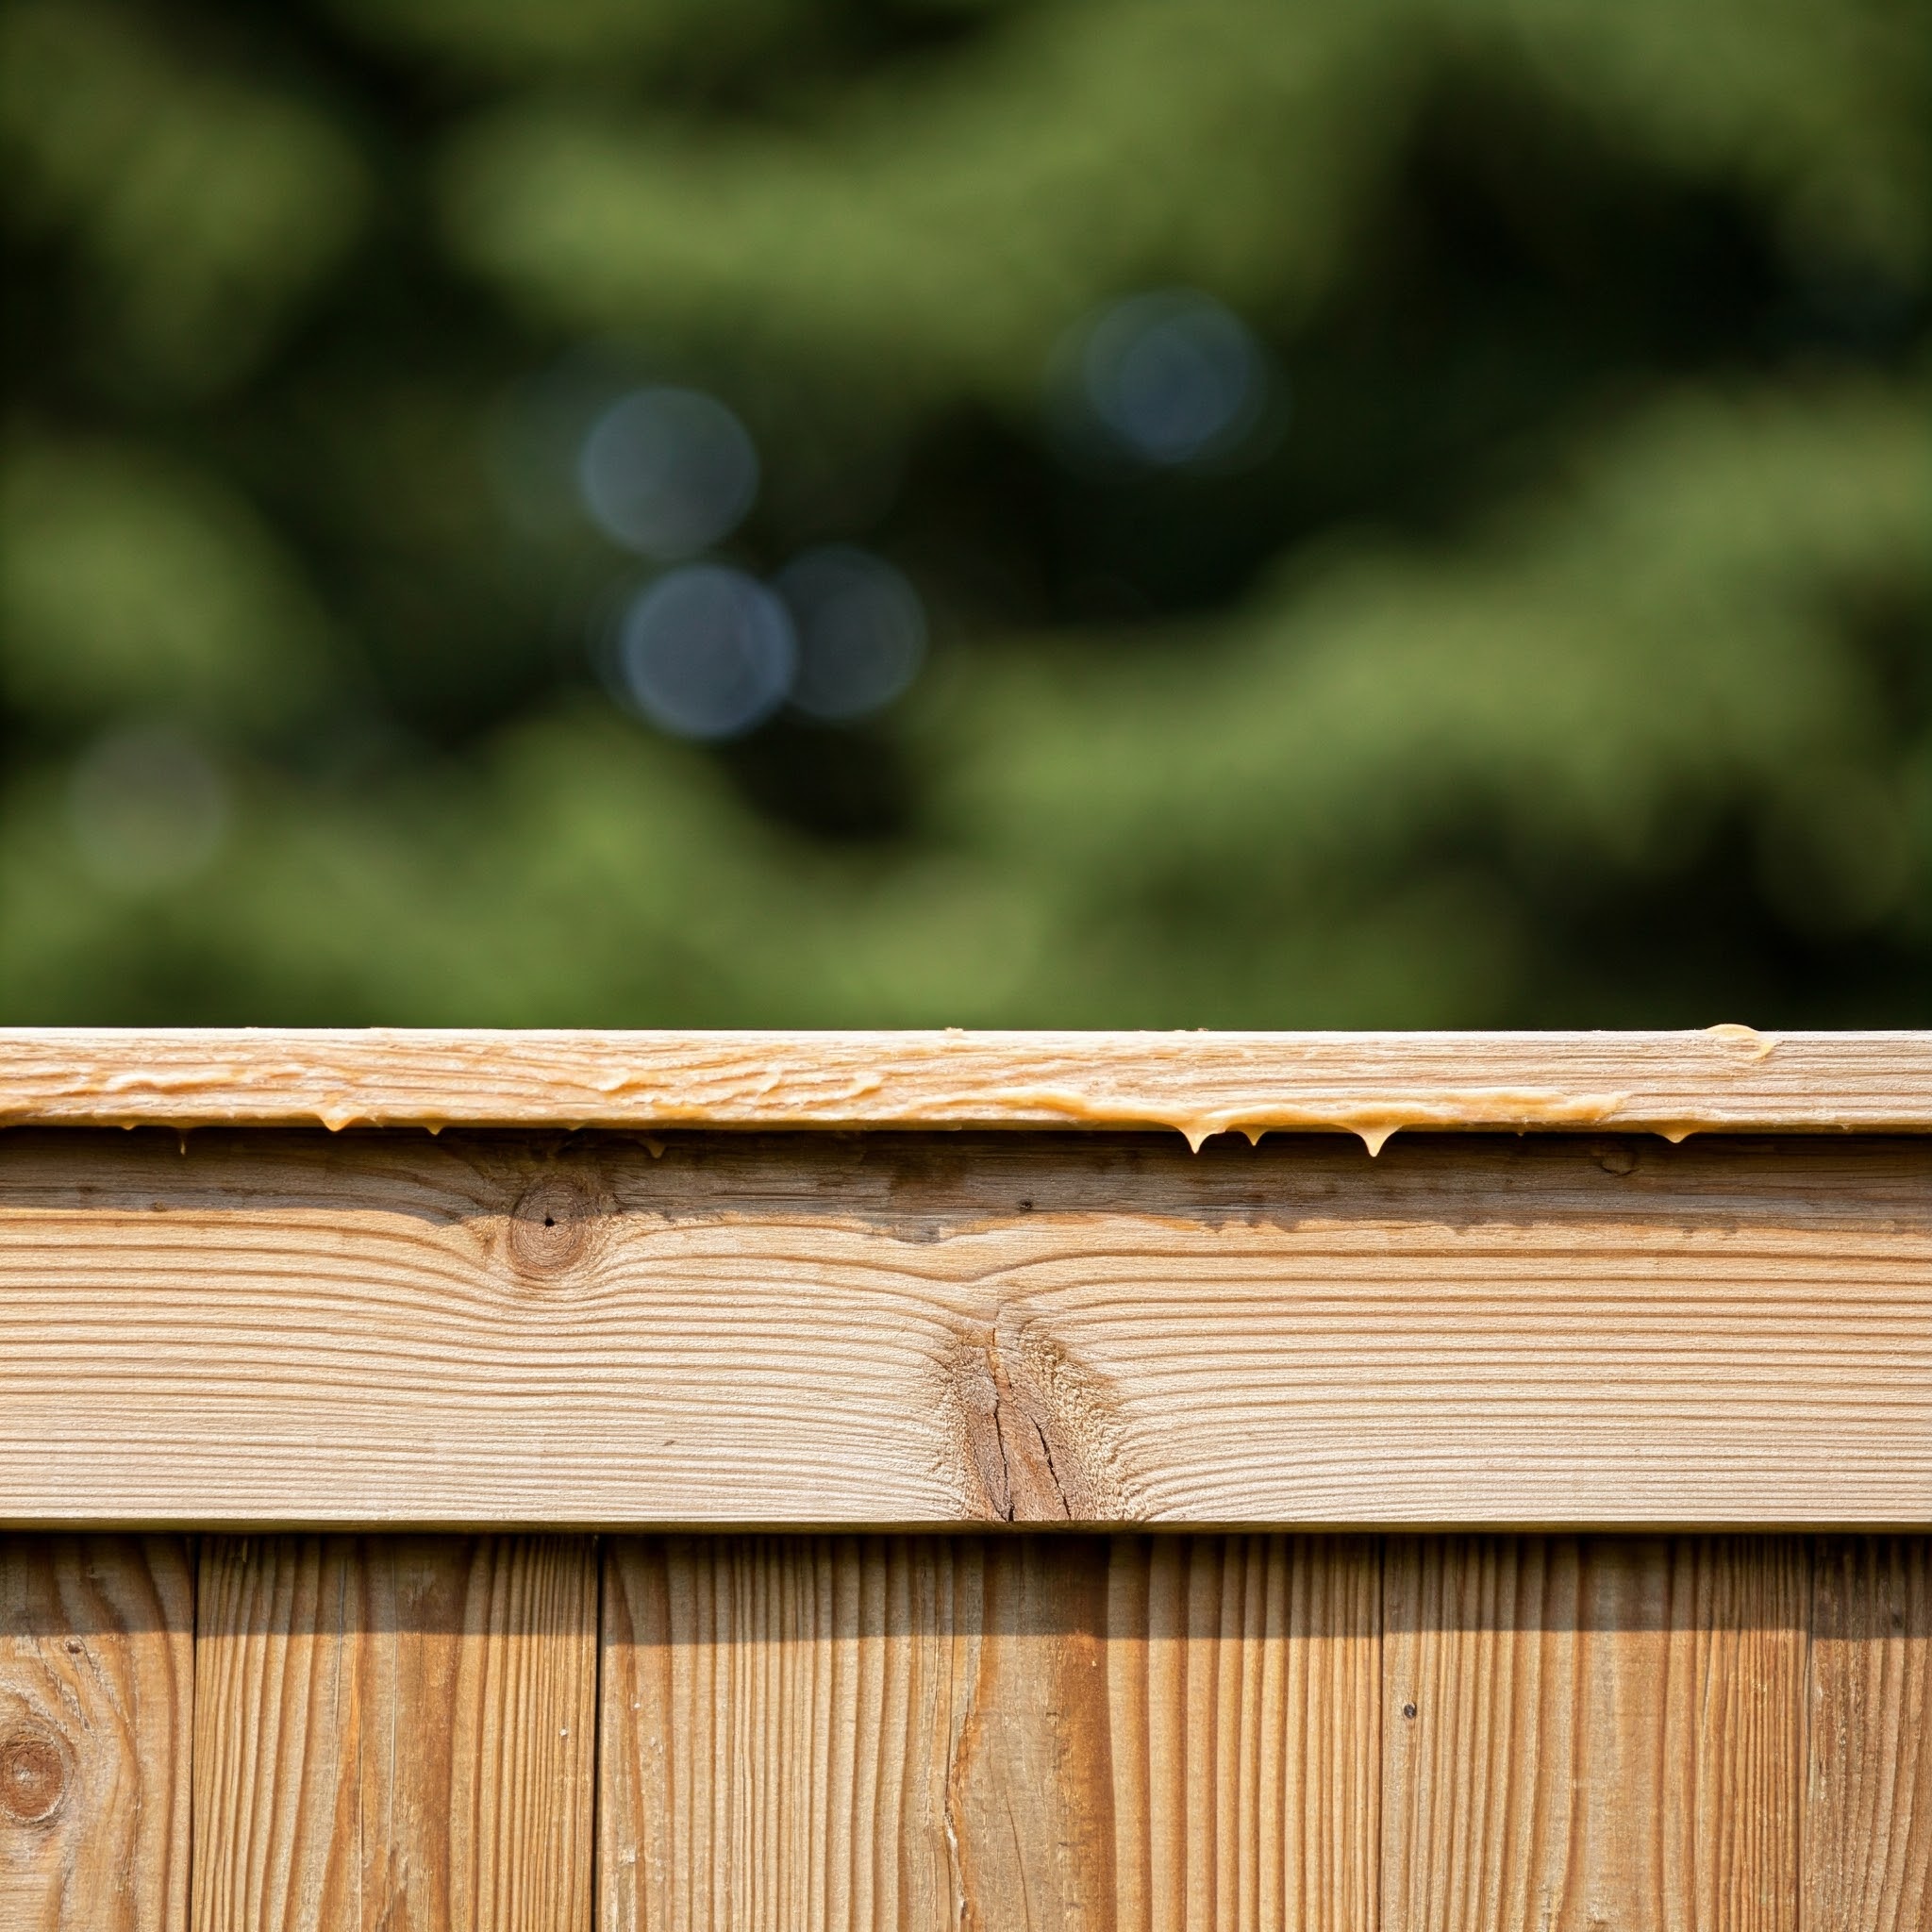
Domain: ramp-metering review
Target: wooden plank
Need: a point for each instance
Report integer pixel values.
(1867, 1840)
(96, 1684)
(812, 1734)
(394, 1731)
(810, 1329)
(1725, 1078)
(1593, 1734)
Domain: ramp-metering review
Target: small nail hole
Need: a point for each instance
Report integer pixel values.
(1408, 1710)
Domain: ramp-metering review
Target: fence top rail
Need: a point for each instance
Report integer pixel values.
(1725, 1079)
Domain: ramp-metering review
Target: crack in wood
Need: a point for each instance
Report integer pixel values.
(1040, 1443)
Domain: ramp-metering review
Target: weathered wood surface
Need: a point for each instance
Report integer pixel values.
(846, 1736)
(1868, 1843)
(394, 1732)
(96, 1688)
(789, 1330)
(1593, 1734)
(1252, 1732)
(1725, 1078)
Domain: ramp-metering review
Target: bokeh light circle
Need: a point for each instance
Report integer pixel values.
(862, 632)
(1170, 379)
(667, 472)
(706, 653)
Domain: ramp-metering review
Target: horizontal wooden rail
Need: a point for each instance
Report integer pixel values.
(1724, 1079)
(249, 1328)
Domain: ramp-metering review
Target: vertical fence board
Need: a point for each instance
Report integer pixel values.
(822, 1734)
(96, 1688)
(816, 1735)
(1867, 1840)
(395, 1732)
(1594, 1733)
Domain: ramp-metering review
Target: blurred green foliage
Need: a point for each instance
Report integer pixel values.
(1562, 655)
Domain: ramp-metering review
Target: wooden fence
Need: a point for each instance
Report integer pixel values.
(802, 1482)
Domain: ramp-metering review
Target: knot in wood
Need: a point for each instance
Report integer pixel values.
(1038, 1430)
(34, 1774)
(551, 1227)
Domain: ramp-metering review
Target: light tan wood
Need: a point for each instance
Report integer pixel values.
(800, 1330)
(900, 1734)
(1725, 1078)
(1868, 1845)
(1593, 1734)
(394, 1732)
(97, 1681)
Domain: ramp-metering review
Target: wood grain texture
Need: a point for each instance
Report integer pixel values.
(799, 1330)
(396, 1733)
(96, 1683)
(1725, 1078)
(1593, 1734)
(812, 1734)
(1868, 1845)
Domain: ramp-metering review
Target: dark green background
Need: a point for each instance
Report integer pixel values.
(1566, 663)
